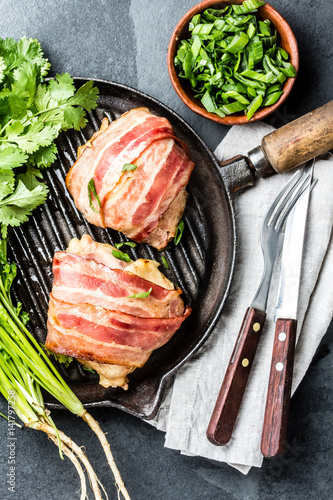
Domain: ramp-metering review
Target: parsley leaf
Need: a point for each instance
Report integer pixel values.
(32, 114)
(16, 208)
(11, 158)
(24, 198)
(2, 69)
(34, 136)
(7, 181)
(44, 156)
(61, 88)
(61, 358)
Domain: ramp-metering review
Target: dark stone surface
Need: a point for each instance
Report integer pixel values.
(126, 41)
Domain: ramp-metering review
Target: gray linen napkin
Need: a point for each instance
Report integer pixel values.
(187, 407)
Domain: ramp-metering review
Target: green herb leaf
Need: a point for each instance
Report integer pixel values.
(61, 358)
(32, 137)
(179, 232)
(44, 156)
(141, 295)
(2, 69)
(92, 192)
(121, 255)
(16, 208)
(12, 157)
(61, 88)
(7, 181)
(128, 243)
(165, 262)
(255, 104)
(128, 167)
(88, 369)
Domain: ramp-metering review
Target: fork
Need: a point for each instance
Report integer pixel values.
(228, 402)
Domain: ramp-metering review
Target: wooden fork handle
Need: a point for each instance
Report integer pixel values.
(231, 393)
(300, 140)
(274, 432)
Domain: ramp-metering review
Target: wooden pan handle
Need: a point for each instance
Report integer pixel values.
(300, 140)
(274, 432)
(231, 393)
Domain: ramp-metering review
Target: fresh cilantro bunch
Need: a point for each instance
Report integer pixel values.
(32, 114)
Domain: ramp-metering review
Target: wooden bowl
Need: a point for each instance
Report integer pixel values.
(286, 40)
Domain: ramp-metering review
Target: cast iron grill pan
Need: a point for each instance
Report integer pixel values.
(202, 264)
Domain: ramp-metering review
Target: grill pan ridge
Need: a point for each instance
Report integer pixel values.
(202, 264)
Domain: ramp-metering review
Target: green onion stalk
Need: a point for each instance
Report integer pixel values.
(25, 370)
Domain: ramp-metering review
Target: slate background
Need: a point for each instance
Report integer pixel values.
(126, 41)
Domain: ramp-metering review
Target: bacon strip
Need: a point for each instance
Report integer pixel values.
(132, 201)
(82, 280)
(105, 327)
(92, 318)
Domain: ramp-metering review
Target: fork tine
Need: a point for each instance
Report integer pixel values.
(287, 200)
(279, 199)
(297, 192)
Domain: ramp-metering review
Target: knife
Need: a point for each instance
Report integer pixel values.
(284, 149)
(279, 386)
(233, 387)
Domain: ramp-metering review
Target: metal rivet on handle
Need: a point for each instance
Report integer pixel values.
(256, 327)
(279, 366)
(282, 336)
(245, 362)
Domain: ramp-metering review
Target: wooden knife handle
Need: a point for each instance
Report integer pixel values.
(300, 140)
(231, 393)
(274, 432)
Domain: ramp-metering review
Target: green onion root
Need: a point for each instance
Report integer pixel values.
(77, 465)
(77, 450)
(93, 424)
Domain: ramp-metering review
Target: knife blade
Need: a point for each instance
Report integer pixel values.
(279, 386)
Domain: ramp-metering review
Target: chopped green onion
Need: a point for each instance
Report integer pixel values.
(247, 6)
(194, 22)
(288, 69)
(195, 47)
(141, 295)
(128, 167)
(258, 51)
(165, 248)
(128, 243)
(284, 53)
(255, 104)
(188, 65)
(251, 92)
(121, 255)
(234, 107)
(88, 369)
(208, 102)
(251, 30)
(235, 95)
(260, 77)
(238, 43)
(231, 50)
(92, 192)
(165, 262)
(179, 232)
(272, 98)
(273, 88)
(264, 29)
